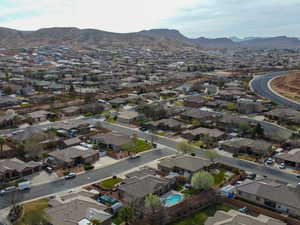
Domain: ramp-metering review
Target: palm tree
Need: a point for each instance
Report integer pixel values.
(2, 142)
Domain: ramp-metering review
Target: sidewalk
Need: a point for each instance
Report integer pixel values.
(3, 216)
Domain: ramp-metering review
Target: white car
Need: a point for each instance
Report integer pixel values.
(282, 166)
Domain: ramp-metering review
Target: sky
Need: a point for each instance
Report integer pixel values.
(194, 18)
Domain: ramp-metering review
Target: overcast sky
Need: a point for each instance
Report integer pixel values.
(194, 18)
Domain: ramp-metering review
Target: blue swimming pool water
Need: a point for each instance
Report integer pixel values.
(173, 199)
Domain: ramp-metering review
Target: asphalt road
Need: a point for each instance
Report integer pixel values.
(260, 86)
(88, 177)
(270, 172)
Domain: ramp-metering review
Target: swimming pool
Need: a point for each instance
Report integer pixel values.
(172, 199)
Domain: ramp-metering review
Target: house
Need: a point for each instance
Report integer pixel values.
(202, 132)
(165, 124)
(184, 165)
(39, 116)
(73, 156)
(247, 107)
(25, 134)
(112, 140)
(71, 111)
(234, 217)
(7, 101)
(247, 146)
(291, 158)
(117, 102)
(128, 116)
(11, 169)
(26, 91)
(136, 189)
(194, 101)
(70, 142)
(284, 115)
(78, 211)
(201, 115)
(276, 196)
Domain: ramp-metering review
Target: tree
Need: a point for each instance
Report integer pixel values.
(126, 214)
(154, 209)
(95, 221)
(211, 154)
(2, 142)
(184, 147)
(202, 180)
(33, 145)
(258, 131)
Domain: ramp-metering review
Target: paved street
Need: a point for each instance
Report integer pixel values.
(242, 164)
(89, 177)
(260, 85)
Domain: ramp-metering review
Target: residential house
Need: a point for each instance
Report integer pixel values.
(273, 195)
(11, 169)
(25, 134)
(78, 211)
(73, 156)
(247, 107)
(7, 101)
(8, 119)
(112, 140)
(234, 217)
(136, 189)
(128, 116)
(284, 115)
(184, 165)
(291, 158)
(247, 146)
(70, 142)
(117, 102)
(202, 132)
(26, 91)
(39, 116)
(166, 124)
(201, 115)
(195, 101)
(71, 111)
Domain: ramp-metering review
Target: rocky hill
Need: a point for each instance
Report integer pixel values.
(10, 38)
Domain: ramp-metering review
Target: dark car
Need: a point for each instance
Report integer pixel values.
(251, 176)
(143, 129)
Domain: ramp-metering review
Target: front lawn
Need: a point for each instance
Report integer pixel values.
(34, 212)
(161, 133)
(110, 183)
(139, 145)
(201, 216)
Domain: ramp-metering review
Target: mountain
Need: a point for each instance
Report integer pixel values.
(75, 37)
(233, 42)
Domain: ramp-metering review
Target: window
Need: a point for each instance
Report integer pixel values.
(257, 198)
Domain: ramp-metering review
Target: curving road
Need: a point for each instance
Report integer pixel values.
(260, 86)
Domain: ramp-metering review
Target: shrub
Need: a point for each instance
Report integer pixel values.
(193, 154)
(89, 167)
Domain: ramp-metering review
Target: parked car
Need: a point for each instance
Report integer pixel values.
(251, 176)
(269, 161)
(135, 156)
(282, 166)
(298, 175)
(70, 176)
(143, 129)
(49, 169)
(244, 210)
(23, 186)
(8, 189)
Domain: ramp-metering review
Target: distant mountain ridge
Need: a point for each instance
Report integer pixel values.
(233, 42)
(10, 38)
(167, 39)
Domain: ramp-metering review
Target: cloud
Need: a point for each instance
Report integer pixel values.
(212, 18)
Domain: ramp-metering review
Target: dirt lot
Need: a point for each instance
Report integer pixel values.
(288, 85)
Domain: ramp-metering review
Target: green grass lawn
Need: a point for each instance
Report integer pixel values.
(160, 133)
(220, 177)
(110, 183)
(140, 146)
(117, 220)
(33, 212)
(199, 144)
(201, 216)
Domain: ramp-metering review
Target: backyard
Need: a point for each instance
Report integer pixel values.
(201, 216)
(34, 212)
